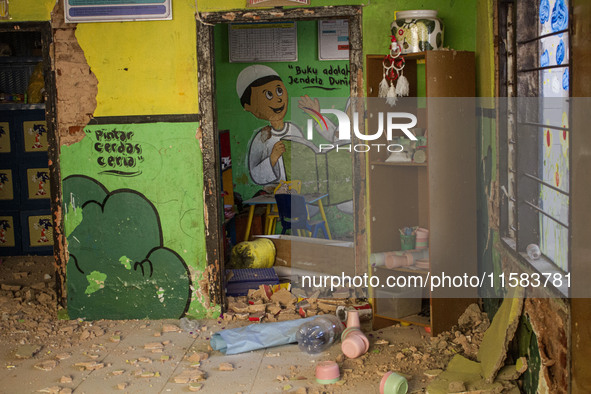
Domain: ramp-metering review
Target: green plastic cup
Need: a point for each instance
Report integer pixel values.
(393, 383)
(407, 242)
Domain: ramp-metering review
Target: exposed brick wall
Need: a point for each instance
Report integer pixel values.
(76, 85)
(550, 321)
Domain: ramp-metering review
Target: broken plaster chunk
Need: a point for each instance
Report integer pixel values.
(170, 328)
(285, 315)
(521, 364)
(121, 386)
(493, 348)
(153, 345)
(52, 390)
(327, 308)
(284, 297)
(46, 365)
(258, 316)
(89, 366)
(508, 372)
(66, 379)
(432, 372)
(226, 367)
(148, 374)
(27, 351)
(6, 287)
(239, 307)
(198, 357)
(273, 308)
(456, 387)
(256, 308)
(195, 386)
(189, 376)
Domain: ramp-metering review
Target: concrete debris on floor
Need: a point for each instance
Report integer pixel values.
(41, 353)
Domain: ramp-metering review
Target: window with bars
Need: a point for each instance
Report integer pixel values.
(535, 67)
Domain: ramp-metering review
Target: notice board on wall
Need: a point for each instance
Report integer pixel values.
(77, 11)
(263, 42)
(333, 39)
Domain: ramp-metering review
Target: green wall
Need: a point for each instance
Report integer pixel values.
(319, 76)
(459, 21)
(133, 211)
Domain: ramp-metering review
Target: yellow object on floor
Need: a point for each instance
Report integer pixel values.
(259, 253)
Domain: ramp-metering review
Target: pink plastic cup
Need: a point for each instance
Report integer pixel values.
(349, 330)
(353, 319)
(355, 344)
(327, 372)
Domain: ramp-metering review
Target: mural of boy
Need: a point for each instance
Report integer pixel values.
(263, 94)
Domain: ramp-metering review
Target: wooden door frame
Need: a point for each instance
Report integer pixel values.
(213, 212)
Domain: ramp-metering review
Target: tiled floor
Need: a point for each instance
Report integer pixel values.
(128, 365)
(278, 369)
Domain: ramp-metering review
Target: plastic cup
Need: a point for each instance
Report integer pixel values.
(407, 242)
(327, 372)
(353, 346)
(393, 383)
(347, 331)
(422, 238)
(353, 319)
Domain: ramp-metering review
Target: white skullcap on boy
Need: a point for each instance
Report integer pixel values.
(251, 74)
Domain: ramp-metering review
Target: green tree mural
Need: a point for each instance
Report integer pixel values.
(118, 267)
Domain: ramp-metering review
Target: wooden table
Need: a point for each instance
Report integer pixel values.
(269, 201)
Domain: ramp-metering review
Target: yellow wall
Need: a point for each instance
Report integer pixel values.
(30, 10)
(144, 68)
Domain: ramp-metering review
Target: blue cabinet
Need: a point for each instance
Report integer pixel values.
(25, 217)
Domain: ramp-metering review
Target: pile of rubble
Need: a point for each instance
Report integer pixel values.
(264, 304)
(466, 336)
(28, 305)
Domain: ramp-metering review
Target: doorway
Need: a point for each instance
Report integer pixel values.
(27, 141)
(210, 122)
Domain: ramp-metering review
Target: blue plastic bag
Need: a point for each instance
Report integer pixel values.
(256, 336)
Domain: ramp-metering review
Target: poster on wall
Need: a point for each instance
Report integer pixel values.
(333, 39)
(263, 42)
(77, 11)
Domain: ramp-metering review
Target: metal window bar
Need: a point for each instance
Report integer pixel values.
(526, 70)
(544, 126)
(535, 178)
(540, 210)
(543, 36)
